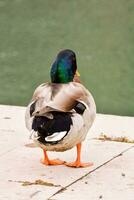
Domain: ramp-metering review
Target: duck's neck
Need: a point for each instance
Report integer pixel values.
(62, 76)
(61, 80)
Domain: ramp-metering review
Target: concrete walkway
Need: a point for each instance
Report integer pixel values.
(23, 177)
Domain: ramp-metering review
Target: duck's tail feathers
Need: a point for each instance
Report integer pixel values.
(51, 130)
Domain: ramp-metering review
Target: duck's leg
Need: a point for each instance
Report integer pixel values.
(78, 162)
(46, 160)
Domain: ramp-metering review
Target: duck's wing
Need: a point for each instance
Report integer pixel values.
(57, 97)
(43, 99)
(40, 97)
(60, 97)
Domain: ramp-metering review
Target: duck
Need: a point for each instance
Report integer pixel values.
(61, 111)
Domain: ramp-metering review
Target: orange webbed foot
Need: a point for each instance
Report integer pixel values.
(78, 164)
(52, 162)
(47, 161)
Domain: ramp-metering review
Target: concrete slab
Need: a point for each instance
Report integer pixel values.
(19, 163)
(113, 126)
(112, 181)
(12, 127)
(22, 164)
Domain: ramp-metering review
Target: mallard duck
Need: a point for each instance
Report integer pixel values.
(61, 111)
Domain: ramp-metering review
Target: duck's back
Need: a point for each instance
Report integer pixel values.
(59, 97)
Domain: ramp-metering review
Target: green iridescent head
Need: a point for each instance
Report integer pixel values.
(64, 67)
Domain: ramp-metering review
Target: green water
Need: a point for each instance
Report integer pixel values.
(101, 32)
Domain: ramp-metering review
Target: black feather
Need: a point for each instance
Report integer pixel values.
(46, 127)
(79, 108)
(32, 108)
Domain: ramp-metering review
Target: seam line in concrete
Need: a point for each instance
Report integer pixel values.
(105, 163)
(8, 151)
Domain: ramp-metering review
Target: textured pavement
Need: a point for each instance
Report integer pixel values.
(23, 177)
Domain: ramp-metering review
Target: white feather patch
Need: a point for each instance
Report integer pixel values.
(34, 135)
(56, 136)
